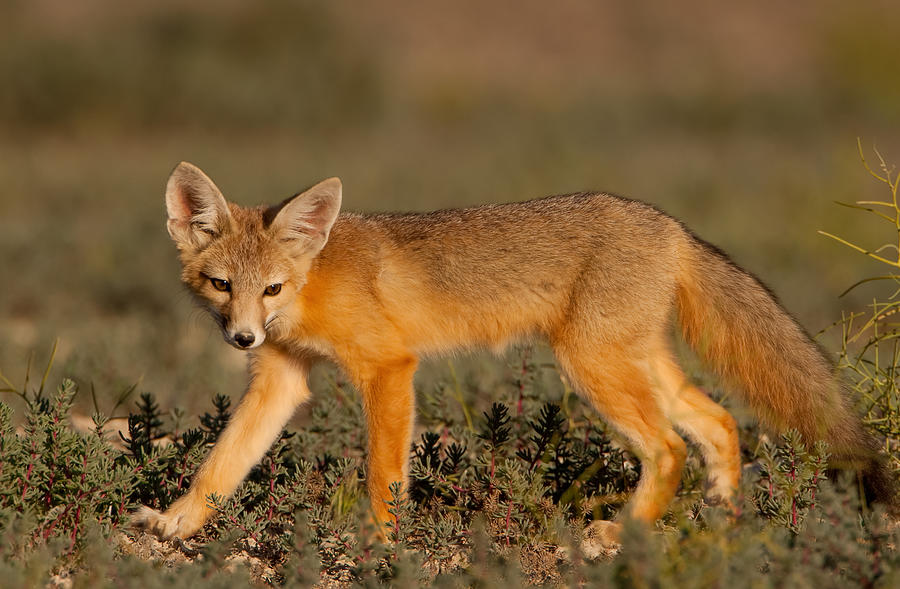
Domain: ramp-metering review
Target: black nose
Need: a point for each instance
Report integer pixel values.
(244, 339)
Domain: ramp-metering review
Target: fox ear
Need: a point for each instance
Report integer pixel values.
(306, 218)
(197, 210)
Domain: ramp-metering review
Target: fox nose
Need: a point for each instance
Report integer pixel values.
(244, 339)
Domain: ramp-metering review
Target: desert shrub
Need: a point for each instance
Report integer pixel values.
(869, 340)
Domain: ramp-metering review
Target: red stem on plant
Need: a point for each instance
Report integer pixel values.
(25, 485)
(271, 489)
(235, 523)
(74, 534)
(397, 525)
(181, 475)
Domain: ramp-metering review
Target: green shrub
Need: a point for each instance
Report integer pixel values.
(870, 352)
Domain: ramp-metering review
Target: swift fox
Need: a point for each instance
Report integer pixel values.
(597, 276)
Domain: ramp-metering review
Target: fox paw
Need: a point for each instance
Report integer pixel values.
(168, 525)
(601, 538)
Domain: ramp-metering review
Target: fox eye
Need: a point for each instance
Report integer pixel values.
(219, 284)
(272, 290)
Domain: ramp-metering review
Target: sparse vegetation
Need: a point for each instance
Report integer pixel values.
(870, 348)
(506, 499)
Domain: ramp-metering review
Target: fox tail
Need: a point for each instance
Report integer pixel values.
(741, 331)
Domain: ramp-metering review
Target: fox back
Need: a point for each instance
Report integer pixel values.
(489, 275)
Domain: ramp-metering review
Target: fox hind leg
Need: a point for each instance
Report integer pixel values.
(703, 420)
(615, 381)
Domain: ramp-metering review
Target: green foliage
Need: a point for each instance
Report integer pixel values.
(483, 507)
(212, 424)
(870, 346)
(789, 479)
(54, 480)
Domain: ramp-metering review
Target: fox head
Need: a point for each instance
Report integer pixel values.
(246, 265)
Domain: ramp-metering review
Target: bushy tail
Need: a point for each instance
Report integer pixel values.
(738, 327)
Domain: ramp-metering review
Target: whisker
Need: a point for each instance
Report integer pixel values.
(271, 320)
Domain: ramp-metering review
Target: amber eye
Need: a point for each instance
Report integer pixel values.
(272, 290)
(220, 284)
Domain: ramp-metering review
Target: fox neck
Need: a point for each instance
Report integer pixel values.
(330, 307)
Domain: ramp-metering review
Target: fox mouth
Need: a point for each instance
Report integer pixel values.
(244, 339)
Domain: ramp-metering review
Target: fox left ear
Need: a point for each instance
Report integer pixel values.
(196, 208)
(307, 217)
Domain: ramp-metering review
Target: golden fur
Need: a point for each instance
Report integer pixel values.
(598, 276)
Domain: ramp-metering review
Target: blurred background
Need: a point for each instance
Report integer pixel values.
(739, 119)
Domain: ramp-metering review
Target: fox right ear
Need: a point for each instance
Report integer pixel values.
(305, 219)
(196, 208)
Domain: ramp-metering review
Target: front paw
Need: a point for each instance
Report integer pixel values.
(179, 521)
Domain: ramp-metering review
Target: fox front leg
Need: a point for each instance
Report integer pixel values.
(277, 387)
(389, 404)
